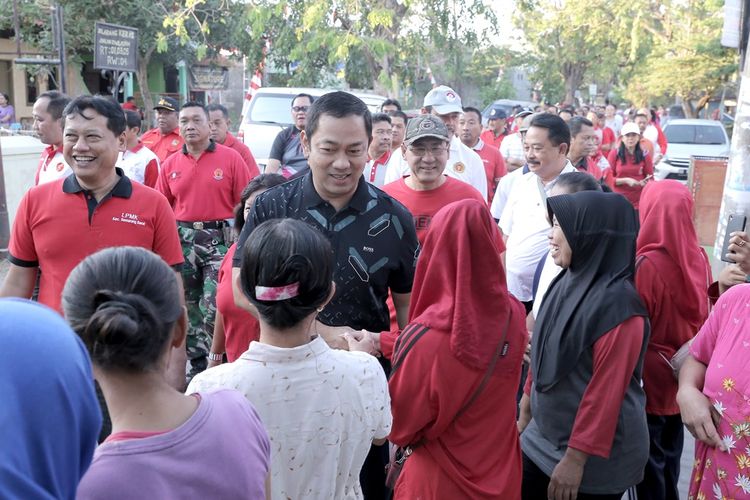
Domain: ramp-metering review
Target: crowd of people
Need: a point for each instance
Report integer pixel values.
(443, 306)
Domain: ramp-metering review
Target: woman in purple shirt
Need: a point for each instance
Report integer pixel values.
(124, 303)
(7, 113)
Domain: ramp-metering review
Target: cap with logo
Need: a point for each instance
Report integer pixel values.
(167, 103)
(497, 114)
(423, 126)
(444, 100)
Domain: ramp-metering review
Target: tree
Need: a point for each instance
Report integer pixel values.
(572, 43)
(687, 60)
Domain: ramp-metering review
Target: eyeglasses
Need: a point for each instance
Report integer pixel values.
(300, 109)
(421, 150)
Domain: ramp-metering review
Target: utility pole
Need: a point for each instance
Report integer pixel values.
(736, 198)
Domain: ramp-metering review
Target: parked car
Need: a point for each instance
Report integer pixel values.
(507, 105)
(686, 138)
(269, 112)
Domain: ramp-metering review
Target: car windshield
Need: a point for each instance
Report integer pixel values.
(274, 108)
(694, 134)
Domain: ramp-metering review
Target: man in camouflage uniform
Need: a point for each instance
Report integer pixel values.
(203, 183)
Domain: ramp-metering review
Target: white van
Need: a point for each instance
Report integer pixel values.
(269, 112)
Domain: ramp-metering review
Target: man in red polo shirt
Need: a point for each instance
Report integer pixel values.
(137, 161)
(60, 223)
(427, 190)
(165, 139)
(203, 183)
(47, 113)
(379, 151)
(497, 124)
(583, 146)
(218, 122)
(470, 130)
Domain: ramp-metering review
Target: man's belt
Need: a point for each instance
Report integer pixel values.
(211, 224)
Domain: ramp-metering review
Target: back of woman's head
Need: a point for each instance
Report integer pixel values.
(123, 302)
(287, 268)
(260, 183)
(574, 182)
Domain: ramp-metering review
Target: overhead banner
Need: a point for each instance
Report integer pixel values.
(115, 47)
(209, 78)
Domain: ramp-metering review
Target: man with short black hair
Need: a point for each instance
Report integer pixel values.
(138, 162)
(497, 127)
(512, 146)
(583, 143)
(165, 139)
(470, 129)
(47, 113)
(379, 150)
(219, 122)
(389, 106)
(524, 218)
(60, 223)
(287, 156)
(375, 244)
(202, 183)
(566, 114)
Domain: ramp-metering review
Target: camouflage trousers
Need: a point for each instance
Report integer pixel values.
(203, 250)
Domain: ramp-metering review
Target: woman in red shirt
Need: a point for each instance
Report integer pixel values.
(672, 276)
(631, 166)
(459, 299)
(234, 327)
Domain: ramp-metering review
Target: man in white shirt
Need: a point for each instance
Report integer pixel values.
(524, 218)
(379, 151)
(512, 146)
(137, 161)
(612, 119)
(463, 164)
(505, 186)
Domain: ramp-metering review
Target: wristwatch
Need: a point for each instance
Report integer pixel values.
(213, 356)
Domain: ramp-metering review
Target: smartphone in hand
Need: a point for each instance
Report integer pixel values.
(736, 222)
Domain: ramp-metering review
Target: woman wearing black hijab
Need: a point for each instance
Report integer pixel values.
(583, 417)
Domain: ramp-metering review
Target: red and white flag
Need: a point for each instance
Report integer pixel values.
(256, 82)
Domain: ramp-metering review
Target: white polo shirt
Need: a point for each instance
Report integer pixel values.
(396, 168)
(504, 188)
(512, 148)
(524, 222)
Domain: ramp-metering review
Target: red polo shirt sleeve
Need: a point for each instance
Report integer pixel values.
(151, 174)
(615, 356)
(21, 248)
(166, 239)
(162, 185)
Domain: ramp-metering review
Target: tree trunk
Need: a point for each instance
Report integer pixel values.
(148, 102)
(573, 74)
(687, 108)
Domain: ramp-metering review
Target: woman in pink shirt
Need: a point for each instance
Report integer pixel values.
(124, 303)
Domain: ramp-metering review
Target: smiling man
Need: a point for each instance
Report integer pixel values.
(60, 223)
(372, 234)
(202, 183)
(524, 218)
(427, 190)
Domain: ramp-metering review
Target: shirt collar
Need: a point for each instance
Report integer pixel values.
(211, 147)
(479, 145)
(123, 188)
(137, 147)
(52, 150)
(229, 140)
(359, 201)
